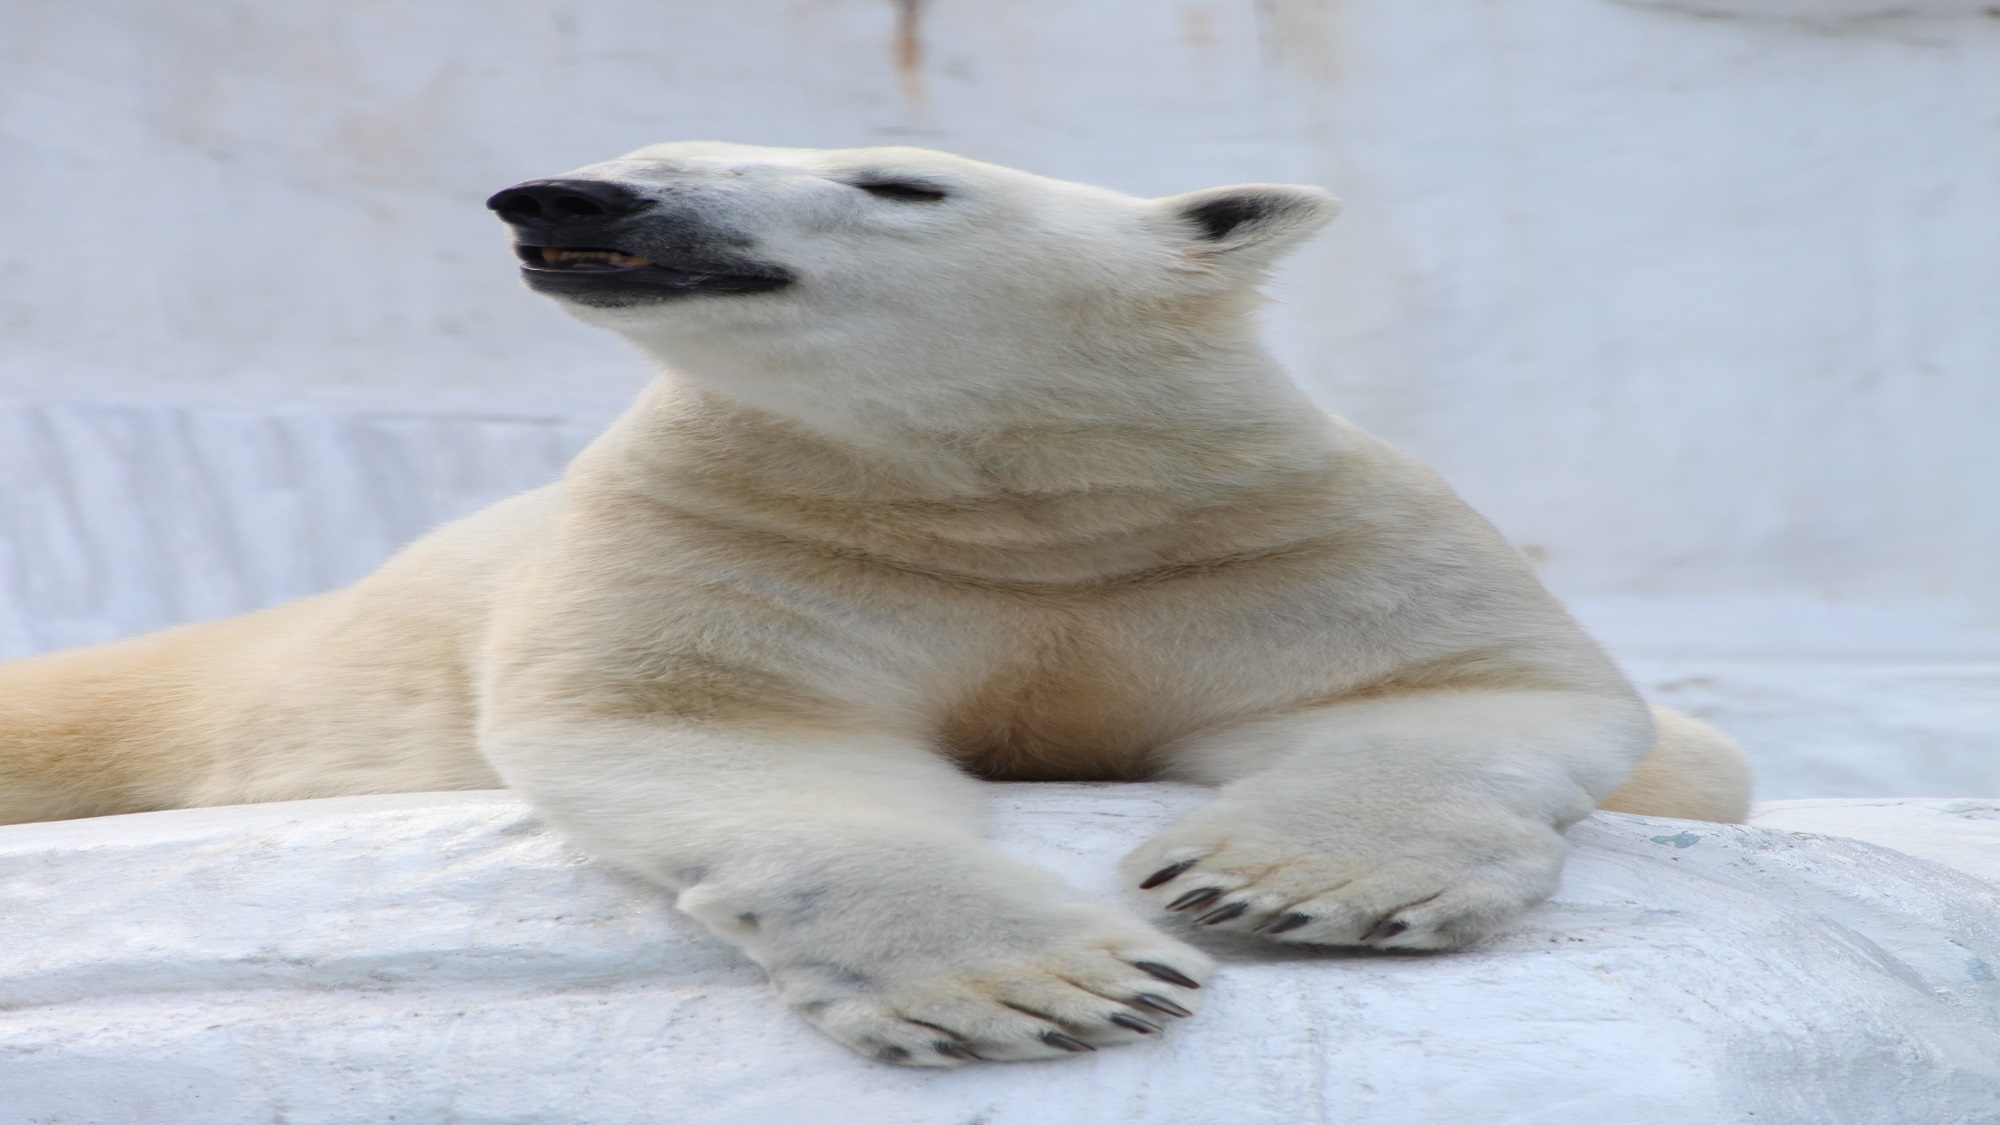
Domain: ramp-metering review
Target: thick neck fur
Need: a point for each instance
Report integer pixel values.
(997, 458)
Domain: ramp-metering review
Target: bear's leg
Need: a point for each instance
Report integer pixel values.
(849, 867)
(1423, 821)
(1693, 772)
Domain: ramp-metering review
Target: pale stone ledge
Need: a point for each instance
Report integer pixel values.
(442, 957)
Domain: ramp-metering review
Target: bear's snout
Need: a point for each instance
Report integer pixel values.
(600, 243)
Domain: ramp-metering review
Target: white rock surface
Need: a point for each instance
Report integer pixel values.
(1960, 833)
(1690, 305)
(441, 957)
(1846, 729)
(122, 517)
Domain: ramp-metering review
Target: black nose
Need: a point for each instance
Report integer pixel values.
(544, 202)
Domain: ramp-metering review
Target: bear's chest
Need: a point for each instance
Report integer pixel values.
(1066, 705)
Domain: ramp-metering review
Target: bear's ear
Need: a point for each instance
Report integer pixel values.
(1256, 222)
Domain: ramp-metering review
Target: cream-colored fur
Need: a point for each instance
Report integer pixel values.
(1001, 485)
(1693, 771)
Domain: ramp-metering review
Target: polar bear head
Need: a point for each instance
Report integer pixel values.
(759, 267)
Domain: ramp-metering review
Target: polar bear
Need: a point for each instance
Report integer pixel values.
(951, 472)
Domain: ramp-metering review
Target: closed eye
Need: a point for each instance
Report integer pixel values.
(907, 191)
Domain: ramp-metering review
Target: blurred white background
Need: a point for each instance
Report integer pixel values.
(1698, 299)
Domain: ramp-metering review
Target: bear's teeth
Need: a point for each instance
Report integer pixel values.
(555, 255)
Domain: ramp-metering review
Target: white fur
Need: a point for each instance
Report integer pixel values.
(1003, 484)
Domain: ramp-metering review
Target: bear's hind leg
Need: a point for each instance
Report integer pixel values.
(1693, 772)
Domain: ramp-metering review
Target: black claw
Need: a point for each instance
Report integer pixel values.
(1159, 1004)
(1215, 917)
(1387, 928)
(1068, 1043)
(1165, 973)
(1200, 896)
(1135, 1023)
(952, 1050)
(1284, 922)
(1165, 875)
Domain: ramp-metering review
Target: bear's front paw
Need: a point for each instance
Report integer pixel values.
(1311, 876)
(1112, 982)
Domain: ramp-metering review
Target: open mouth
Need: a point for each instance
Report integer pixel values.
(600, 275)
(579, 259)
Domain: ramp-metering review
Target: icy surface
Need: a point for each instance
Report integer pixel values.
(439, 957)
